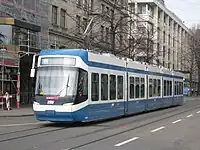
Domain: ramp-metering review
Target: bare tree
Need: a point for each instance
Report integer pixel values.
(106, 31)
(196, 51)
(112, 31)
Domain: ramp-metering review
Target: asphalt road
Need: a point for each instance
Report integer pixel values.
(170, 129)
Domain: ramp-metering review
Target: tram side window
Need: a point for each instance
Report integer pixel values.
(104, 87)
(154, 88)
(150, 88)
(137, 87)
(112, 87)
(159, 93)
(142, 88)
(131, 87)
(120, 91)
(181, 88)
(82, 86)
(178, 88)
(170, 88)
(165, 88)
(175, 90)
(95, 87)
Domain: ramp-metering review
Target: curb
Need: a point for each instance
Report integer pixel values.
(6, 116)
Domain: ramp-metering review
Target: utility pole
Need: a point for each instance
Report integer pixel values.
(2, 76)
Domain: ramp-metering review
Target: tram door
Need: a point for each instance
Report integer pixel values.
(126, 91)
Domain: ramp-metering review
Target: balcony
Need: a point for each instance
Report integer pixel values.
(147, 17)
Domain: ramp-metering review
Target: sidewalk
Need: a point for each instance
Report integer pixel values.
(191, 98)
(21, 112)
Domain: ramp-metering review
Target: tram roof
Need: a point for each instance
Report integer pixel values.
(83, 53)
(74, 52)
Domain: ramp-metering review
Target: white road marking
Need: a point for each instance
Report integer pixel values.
(158, 129)
(23, 124)
(177, 121)
(189, 116)
(198, 112)
(128, 141)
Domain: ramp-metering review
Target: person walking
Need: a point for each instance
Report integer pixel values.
(7, 100)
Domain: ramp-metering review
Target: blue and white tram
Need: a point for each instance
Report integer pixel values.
(78, 85)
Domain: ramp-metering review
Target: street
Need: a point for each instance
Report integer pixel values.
(175, 128)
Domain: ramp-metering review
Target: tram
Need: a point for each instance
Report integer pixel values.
(76, 85)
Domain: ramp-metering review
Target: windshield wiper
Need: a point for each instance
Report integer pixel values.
(66, 86)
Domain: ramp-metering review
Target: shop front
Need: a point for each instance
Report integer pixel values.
(9, 79)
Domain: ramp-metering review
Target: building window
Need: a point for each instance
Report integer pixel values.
(95, 86)
(85, 4)
(142, 8)
(102, 33)
(102, 8)
(107, 35)
(121, 41)
(104, 87)
(79, 2)
(54, 15)
(112, 87)
(122, 3)
(91, 5)
(107, 11)
(62, 18)
(112, 13)
(78, 23)
(84, 24)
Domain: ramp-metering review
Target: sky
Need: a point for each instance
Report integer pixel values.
(187, 10)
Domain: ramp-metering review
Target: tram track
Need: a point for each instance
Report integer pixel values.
(162, 116)
(33, 130)
(122, 132)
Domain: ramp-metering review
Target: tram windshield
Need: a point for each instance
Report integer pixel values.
(56, 81)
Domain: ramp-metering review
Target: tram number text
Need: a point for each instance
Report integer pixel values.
(50, 102)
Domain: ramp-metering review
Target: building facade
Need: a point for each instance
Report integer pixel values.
(70, 20)
(23, 30)
(171, 38)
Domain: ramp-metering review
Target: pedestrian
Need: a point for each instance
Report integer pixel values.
(7, 100)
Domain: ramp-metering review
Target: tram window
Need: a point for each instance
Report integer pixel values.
(159, 87)
(95, 87)
(112, 87)
(181, 88)
(165, 88)
(178, 88)
(104, 87)
(137, 87)
(175, 93)
(170, 88)
(132, 87)
(142, 88)
(120, 91)
(150, 88)
(154, 88)
(82, 86)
